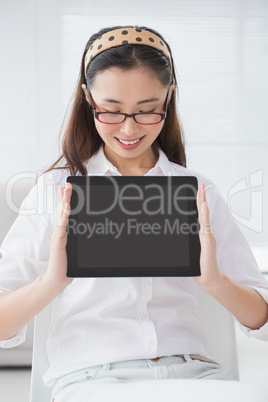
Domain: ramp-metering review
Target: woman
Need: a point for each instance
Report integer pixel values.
(103, 331)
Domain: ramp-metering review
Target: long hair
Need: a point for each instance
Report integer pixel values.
(81, 139)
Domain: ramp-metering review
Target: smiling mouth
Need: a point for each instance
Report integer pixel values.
(131, 142)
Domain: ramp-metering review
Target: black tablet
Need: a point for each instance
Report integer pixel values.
(133, 226)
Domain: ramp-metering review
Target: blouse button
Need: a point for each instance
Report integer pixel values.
(143, 315)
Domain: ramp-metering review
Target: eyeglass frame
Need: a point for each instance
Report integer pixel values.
(96, 114)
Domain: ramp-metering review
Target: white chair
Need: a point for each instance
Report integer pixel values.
(218, 322)
(39, 392)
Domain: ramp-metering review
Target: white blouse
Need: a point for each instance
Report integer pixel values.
(97, 321)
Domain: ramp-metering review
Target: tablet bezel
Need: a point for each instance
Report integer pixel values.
(193, 269)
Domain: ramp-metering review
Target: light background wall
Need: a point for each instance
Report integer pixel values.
(221, 54)
(220, 50)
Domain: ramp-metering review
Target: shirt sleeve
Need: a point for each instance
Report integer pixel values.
(234, 255)
(25, 249)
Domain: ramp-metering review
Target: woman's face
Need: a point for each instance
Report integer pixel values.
(132, 91)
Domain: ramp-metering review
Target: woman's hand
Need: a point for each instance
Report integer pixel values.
(245, 303)
(210, 273)
(57, 264)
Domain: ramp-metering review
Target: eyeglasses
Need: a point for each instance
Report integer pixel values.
(140, 118)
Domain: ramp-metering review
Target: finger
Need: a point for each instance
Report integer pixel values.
(201, 217)
(65, 215)
(205, 225)
(60, 193)
(64, 206)
(59, 207)
(200, 196)
(67, 193)
(203, 211)
(204, 207)
(203, 193)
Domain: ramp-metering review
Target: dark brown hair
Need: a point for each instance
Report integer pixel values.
(81, 139)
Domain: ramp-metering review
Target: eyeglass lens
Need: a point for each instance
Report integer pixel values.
(145, 118)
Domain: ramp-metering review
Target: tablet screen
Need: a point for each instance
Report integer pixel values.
(133, 226)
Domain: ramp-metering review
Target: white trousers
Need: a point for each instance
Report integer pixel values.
(105, 382)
